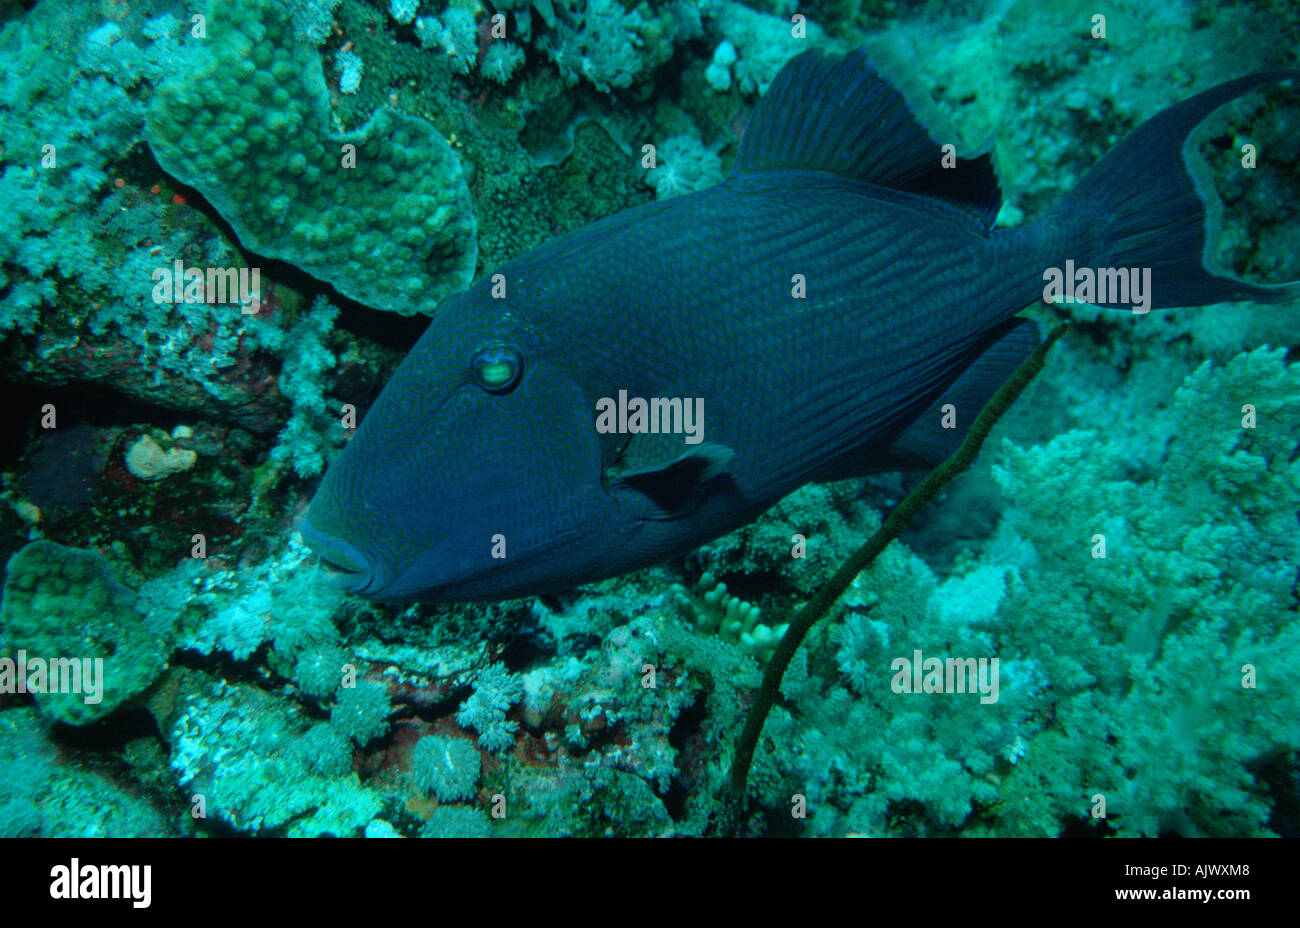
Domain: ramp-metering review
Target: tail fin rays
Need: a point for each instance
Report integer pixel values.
(1147, 208)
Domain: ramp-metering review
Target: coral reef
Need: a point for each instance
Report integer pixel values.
(1126, 547)
(253, 764)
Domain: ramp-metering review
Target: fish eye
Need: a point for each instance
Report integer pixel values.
(497, 369)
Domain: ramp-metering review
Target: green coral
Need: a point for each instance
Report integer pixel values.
(250, 761)
(319, 672)
(1148, 648)
(457, 822)
(41, 797)
(729, 617)
(248, 123)
(362, 711)
(447, 767)
(65, 604)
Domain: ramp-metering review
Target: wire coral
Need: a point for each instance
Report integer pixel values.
(816, 608)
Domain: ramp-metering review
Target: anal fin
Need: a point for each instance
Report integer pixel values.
(926, 442)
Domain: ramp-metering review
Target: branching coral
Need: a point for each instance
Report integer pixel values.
(495, 691)
(729, 617)
(1148, 647)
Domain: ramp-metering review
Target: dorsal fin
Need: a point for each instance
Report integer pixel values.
(836, 113)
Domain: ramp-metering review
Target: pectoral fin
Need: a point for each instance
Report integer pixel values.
(674, 484)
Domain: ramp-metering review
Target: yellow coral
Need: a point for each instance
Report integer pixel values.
(148, 461)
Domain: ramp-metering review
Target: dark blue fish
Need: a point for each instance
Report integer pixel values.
(826, 302)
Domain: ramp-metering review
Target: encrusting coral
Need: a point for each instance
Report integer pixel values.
(382, 213)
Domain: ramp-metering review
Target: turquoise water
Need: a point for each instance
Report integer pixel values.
(1091, 632)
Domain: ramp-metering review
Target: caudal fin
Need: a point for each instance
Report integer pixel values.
(1145, 208)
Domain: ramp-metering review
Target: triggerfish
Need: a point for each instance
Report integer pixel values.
(840, 305)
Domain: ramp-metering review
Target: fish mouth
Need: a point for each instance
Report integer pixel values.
(342, 565)
(344, 578)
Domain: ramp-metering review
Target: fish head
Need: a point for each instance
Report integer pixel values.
(475, 475)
